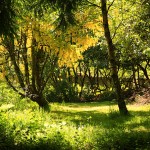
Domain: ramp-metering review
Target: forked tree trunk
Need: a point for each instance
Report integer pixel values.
(30, 79)
(42, 102)
(111, 50)
(144, 71)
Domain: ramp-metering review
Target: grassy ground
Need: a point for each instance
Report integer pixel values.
(72, 126)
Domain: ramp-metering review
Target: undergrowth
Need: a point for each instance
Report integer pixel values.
(71, 126)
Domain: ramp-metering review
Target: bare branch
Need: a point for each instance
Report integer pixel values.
(110, 5)
(117, 29)
(10, 84)
(93, 4)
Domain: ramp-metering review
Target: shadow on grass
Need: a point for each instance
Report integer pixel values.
(114, 137)
(6, 141)
(116, 140)
(57, 142)
(93, 118)
(121, 140)
(97, 118)
(140, 124)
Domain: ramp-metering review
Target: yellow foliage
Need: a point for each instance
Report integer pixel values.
(69, 44)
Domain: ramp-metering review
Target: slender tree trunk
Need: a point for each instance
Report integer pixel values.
(111, 50)
(82, 78)
(24, 56)
(33, 65)
(11, 50)
(97, 77)
(134, 77)
(75, 76)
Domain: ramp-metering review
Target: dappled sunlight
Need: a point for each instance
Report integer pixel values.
(139, 107)
(74, 125)
(4, 107)
(79, 107)
(74, 75)
(85, 125)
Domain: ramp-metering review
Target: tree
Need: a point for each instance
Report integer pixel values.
(131, 42)
(112, 59)
(142, 28)
(30, 60)
(31, 68)
(73, 39)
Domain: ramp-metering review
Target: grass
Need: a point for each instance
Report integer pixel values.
(72, 126)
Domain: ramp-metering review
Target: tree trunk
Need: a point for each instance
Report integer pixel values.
(144, 71)
(42, 102)
(134, 77)
(11, 50)
(111, 50)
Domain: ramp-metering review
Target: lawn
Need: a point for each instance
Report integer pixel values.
(74, 126)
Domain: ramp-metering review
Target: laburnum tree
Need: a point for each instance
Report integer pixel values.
(103, 7)
(26, 65)
(31, 56)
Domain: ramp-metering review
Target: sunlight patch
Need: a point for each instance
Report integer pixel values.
(5, 107)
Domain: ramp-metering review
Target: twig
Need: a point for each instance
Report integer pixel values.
(110, 5)
(93, 4)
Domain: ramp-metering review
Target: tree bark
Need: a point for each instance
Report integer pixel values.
(111, 50)
(30, 78)
(144, 71)
(24, 56)
(11, 50)
(134, 77)
(42, 102)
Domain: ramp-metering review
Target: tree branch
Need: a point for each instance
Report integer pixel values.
(10, 84)
(116, 29)
(93, 4)
(110, 5)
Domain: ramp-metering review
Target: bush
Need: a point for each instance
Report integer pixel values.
(108, 96)
(63, 92)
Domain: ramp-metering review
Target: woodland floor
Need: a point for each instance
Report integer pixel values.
(141, 97)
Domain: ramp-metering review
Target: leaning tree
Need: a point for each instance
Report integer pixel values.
(28, 67)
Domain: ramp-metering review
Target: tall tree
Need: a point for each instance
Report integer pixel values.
(112, 59)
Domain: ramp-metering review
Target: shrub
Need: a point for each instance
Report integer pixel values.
(63, 92)
(108, 96)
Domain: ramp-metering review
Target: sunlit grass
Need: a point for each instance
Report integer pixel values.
(73, 126)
